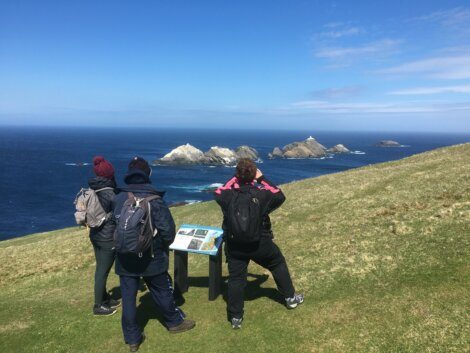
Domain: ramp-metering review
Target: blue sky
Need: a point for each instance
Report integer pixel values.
(328, 65)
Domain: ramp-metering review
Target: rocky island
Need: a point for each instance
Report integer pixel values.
(340, 148)
(388, 143)
(309, 148)
(190, 155)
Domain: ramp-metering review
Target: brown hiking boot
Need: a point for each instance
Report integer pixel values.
(135, 347)
(186, 325)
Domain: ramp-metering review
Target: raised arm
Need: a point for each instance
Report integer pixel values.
(274, 196)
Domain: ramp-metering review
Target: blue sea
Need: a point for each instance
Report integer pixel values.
(42, 169)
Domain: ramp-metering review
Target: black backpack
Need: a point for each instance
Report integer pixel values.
(134, 230)
(244, 216)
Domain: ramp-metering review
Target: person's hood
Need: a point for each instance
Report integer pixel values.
(136, 176)
(97, 183)
(138, 182)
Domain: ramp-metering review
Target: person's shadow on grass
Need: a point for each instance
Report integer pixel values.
(147, 310)
(253, 288)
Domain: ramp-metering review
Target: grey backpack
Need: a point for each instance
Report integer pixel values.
(88, 208)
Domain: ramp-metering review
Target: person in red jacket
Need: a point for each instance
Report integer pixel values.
(264, 252)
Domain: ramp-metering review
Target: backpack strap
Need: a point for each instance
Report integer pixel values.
(106, 188)
(149, 199)
(148, 210)
(152, 197)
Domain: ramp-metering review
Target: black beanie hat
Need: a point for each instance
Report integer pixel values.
(141, 164)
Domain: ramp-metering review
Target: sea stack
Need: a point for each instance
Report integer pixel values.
(220, 156)
(340, 148)
(184, 155)
(246, 152)
(308, 148)
(388, 143)
(190, 155)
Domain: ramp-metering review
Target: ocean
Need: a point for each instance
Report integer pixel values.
(42, 169)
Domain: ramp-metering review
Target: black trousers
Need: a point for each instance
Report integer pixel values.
(104, 256)
(266, 254)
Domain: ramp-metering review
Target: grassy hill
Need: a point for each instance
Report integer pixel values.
(381, 253)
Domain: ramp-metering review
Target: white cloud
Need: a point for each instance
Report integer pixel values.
(432, 90)
(456, 17)
(379, 47)
(368, 107)
(338, 92)
(338, 33)
(341, 56)
(455, 67)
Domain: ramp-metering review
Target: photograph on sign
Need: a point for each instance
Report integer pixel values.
(198, 239)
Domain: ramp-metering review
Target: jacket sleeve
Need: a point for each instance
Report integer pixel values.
(163, 221)
(274, 197)
(222, 194)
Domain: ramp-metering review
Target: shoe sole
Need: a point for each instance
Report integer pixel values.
(98, 315)
(181, 331)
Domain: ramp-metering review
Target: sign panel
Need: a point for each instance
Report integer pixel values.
(198, 239)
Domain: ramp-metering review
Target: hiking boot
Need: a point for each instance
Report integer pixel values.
(112, 303)
(135, 347)
(184, 326)
(236, 323)
(103, 310)
(292, 303)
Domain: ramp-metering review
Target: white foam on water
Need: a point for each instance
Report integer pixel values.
(357, 152)
(190, 202)
(77, 164)
(198, 188)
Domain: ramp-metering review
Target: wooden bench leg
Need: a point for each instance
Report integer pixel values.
(181, 271)
(215, 275)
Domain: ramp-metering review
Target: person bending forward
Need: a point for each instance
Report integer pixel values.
(262, 250)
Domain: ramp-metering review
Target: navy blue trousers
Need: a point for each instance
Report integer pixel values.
(162, 294)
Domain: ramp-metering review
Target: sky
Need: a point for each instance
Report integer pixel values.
(325, 65)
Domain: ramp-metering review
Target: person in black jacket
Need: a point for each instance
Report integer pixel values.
(152, 267)
(264, 252)
(104, 185)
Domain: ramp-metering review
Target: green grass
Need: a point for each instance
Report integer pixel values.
(382, 254)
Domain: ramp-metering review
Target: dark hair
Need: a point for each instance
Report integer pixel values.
(140, 163)
(246, 170)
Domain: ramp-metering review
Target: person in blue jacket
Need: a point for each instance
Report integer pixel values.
(153, 269)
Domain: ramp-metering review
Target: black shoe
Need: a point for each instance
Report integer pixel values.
(103, 310)
(112, 303)
(186, 325)
(135, 347)
(236, 323)
(292, 303)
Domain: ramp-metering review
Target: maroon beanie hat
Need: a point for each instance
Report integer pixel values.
(102, 167)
